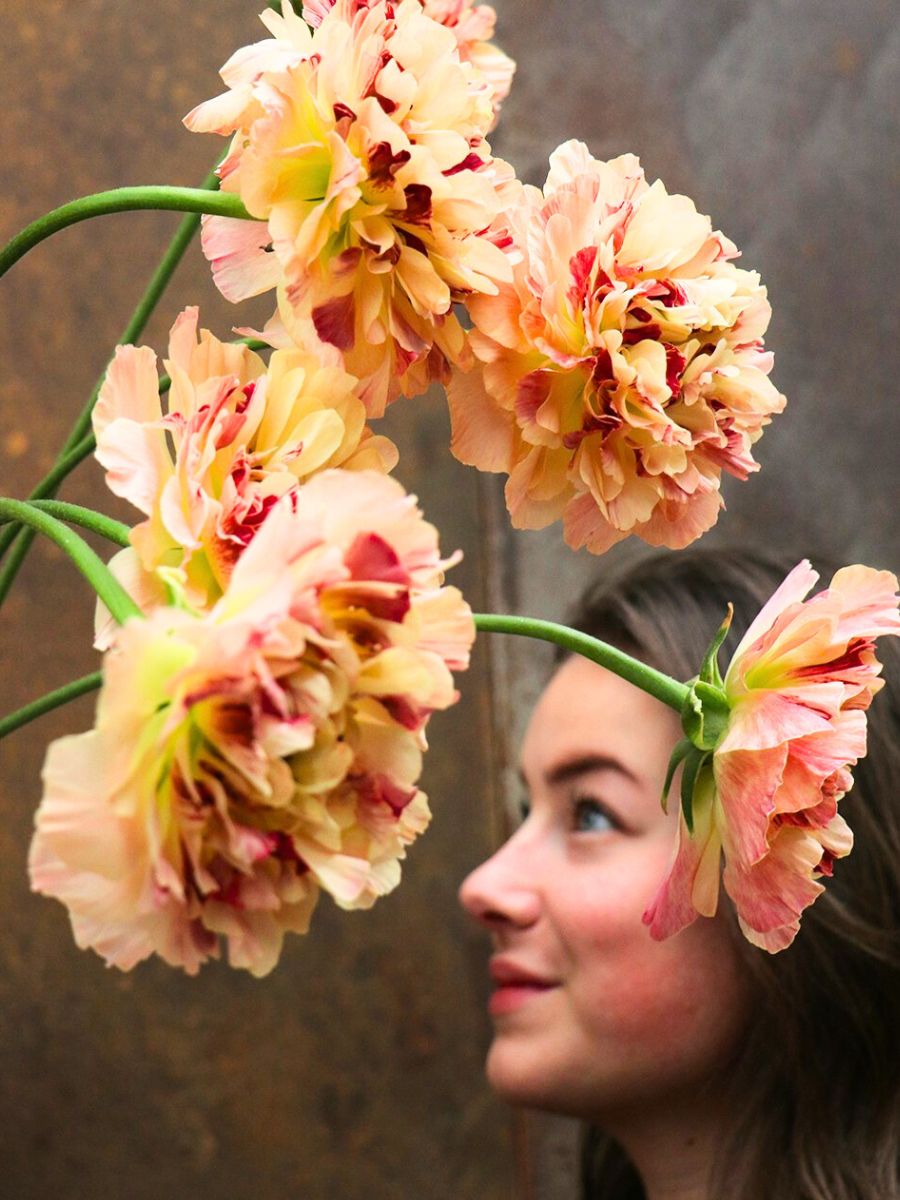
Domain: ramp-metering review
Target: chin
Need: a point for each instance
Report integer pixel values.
(571, 1085)
(526, 1078)
(513, 1074)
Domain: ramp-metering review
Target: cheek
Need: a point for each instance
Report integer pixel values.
(655, 999)
(684, 996)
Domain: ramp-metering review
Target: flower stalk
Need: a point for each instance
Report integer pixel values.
(98, 575)
(126, 199)
(49, 701)
(662, 687)
(87, 518)
(80, 442)
(64, 465)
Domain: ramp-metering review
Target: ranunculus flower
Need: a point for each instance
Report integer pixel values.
(622, 370)
(766, 794)
(246, 757)
(234, 438)
(473, 27)
(361, 144)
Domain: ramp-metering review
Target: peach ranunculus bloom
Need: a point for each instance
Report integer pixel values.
(797, 690)
(622, 370)
(362, 145)
(473, 27)
(250, 756)
(234, 438)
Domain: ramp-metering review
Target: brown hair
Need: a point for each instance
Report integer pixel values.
(816, 1083)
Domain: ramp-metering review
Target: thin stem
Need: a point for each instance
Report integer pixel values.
(98, 575)
(46, 703)
(21, 540)
(64, 466)
(80, 442)
(87, 518)
(159, 281)
(663, 687)
(127, 199)
(47, 487)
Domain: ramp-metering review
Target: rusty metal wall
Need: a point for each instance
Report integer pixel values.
(355, 1069)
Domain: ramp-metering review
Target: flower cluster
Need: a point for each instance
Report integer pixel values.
(622, 370)
(248, 756)
(361, 143)
(797, 690)
(235, 437)
(260, 730)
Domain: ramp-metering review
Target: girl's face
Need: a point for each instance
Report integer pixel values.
(591, 1015)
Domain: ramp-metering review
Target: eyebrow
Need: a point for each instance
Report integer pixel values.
(583, 764)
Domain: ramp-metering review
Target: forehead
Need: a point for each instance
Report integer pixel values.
(585, 710)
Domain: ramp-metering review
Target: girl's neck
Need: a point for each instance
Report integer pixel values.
(671, 1147)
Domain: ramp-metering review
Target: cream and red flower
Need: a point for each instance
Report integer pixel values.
(622, 370)
(797, 690)
(473, 27)
(361, 144)
(246, 757)
(235, 437)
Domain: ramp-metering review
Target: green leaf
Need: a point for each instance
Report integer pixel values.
(679, 754)
(694, 763)
(709, 672)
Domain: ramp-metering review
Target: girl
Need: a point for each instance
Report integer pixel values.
(703, 1067)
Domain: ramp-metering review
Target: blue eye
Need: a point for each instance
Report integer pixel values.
(590, 816)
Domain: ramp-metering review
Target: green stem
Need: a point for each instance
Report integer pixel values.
(64, 465)
(24, 537)
(87, 518)
(45, 704)
(663, 687)
(159, 281)
(20, 540)
(127, 199)
(80, 442)
(101, 579)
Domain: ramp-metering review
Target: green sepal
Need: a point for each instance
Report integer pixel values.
(704, 717)
(695, 761)
(709, 672)
(679, 754)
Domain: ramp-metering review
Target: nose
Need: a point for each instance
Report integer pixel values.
(501, 894)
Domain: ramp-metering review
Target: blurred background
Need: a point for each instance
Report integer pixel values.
(355, 1069)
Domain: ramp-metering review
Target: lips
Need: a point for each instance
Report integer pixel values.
(505, 972)
(515, 986)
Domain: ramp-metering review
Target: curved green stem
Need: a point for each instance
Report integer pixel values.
(87, 518)
(127, 199)
(64, 465)
(159, 281)
(45, 704)
(20, 540)
(23, 538)
(47, 487)
(98, 575)
(80, 442)
(663, 687)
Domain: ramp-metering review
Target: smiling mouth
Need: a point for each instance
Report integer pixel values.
(508, 997)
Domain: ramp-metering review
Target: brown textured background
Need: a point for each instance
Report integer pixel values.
(355, 1069)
